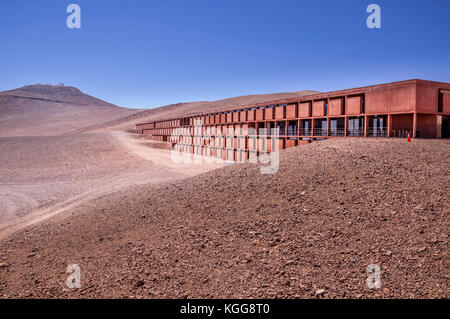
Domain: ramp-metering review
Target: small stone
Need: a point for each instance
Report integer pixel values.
(319, 292)
(434, 240)
(4, 265)
(290, 262)
(31, 255)
(139, 283)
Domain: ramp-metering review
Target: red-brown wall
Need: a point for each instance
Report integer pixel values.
(335, 107)
(353, 105)
(402, 122)
(318, 108)
(304, 109)
(391, 99)
(426, 125)
(428, 96)
(291, 111)
(446, 103)
(279, 112)
(259, 114)
(269, 113)
(236, 116)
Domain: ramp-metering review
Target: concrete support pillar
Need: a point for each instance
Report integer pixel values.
(312, 127)
(345, 126)
(439, 126)
(328, 126)
(389, 125)
(414, 125)
(366, 126)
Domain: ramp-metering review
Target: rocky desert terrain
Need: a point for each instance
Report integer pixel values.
(46, 168)
(140, 226)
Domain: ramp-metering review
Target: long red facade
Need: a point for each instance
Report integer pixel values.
(420, 108)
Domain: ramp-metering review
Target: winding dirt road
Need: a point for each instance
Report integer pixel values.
(45, 176)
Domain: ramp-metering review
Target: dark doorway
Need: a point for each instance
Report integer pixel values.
(445, 127)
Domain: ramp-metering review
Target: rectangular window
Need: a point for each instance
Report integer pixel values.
(305, 129)
(337, 127)
(292, 129)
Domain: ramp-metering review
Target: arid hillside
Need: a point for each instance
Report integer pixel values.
(309, 230)
(42, 110)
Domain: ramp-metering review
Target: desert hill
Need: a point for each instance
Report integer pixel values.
(63, 94)
(310, 230)
(42, 110)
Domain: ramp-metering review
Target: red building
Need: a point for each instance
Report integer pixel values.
(418, 107)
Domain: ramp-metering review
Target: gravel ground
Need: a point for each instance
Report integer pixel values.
(309, 231)
(44, 176)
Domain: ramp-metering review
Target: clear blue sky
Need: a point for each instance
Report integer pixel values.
(144, 53)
